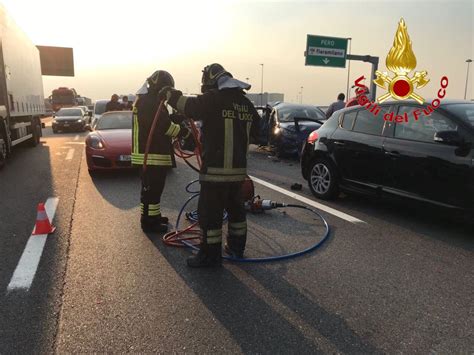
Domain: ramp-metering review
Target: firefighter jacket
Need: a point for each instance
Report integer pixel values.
(161, 151)
(229, 121)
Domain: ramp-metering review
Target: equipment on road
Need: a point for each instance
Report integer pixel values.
(43, 226)
(189, 236)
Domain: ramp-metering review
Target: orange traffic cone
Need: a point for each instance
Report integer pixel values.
(42, 222)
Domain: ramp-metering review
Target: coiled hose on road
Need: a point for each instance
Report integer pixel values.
(191, 235)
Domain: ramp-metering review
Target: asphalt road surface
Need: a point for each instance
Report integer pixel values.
(392, 277)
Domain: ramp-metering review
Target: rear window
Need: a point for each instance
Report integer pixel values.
(74, 112)
(366, 122)
(348, 120)
(117, 120)
(464, 111)
(99, 107)
(287, 113)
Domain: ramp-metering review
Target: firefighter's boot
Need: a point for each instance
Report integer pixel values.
(208, 256)
(153, 224)
(237, 253)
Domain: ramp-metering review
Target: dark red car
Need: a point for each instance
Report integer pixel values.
(109, 146)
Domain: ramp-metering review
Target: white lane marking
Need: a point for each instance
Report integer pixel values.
(26, 269)
(76, 138)
(70, 154)
(303, 199)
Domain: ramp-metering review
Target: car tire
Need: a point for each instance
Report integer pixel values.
(323, 180)
(36, 131)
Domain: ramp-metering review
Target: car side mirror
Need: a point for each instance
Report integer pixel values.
(449, 138)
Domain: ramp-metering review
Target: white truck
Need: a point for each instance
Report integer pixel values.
(21, 88)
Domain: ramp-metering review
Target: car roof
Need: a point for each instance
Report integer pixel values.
(293, 104)
(108, 113)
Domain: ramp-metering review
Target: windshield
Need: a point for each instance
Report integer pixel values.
(117, 120)
(464, 111)
(74, 112)
(287, 113)
(99, 108)
(63, 99)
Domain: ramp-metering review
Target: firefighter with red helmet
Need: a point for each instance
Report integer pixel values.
(229, 119)
(160, 157)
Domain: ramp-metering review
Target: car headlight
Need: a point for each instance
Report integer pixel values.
(94, 142)
(79, 120)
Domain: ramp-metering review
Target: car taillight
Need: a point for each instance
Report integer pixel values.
(313, 137)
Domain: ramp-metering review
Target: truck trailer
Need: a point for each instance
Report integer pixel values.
(21, 88)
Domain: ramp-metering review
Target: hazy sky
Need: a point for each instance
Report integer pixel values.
(117, 44)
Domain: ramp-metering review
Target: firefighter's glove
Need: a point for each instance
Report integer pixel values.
(168, 92)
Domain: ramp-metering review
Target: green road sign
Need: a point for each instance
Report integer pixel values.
(326, 51)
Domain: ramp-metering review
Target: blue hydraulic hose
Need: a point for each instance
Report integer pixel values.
(263, 259)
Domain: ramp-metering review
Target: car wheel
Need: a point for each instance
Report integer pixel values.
(322, 180)
(36, 131)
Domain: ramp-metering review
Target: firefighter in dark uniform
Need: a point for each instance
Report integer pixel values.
(160, 157)
(228, 119)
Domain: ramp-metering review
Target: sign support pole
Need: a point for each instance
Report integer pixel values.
(375, 65)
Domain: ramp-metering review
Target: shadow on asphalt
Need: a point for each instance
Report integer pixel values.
(111, 184)
(253, 322)
(453, 228)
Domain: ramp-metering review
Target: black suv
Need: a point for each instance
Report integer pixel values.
(429, 159)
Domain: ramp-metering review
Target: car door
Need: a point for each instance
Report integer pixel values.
(358, 148)
(419, 167)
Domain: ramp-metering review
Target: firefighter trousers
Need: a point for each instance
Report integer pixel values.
(213, 199)
(153, 184)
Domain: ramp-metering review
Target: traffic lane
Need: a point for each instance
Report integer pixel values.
(126, 292)
(424, 219)
(369, 288)
(29, 318)
(30, 177)
(422, 244)
(397, 289)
